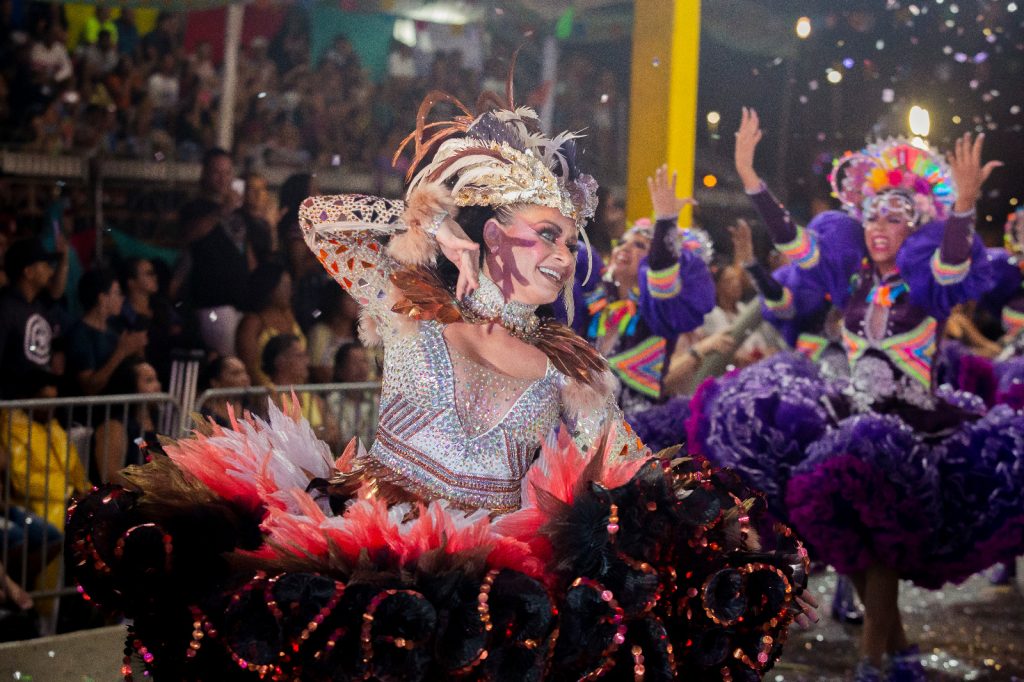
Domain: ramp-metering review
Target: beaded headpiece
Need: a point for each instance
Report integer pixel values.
(894, 176)
(498, 157)
(693, 239)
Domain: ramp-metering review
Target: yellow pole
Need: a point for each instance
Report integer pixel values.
(663, 98)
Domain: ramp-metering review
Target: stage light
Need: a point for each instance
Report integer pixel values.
(803, 27)
(920, 121)
(714, 117)
(834, 76)
(710, 180)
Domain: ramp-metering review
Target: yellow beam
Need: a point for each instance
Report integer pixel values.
(663, 98)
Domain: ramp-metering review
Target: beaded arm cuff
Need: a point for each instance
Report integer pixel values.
(803, 249)
(782, 308)
(665, 283)
(946, 274)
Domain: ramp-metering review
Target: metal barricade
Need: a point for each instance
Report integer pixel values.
(337, 412)
(50, 450)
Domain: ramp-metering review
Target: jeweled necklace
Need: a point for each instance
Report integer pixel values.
(487, 303)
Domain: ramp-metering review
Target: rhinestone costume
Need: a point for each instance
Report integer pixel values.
(449, 428)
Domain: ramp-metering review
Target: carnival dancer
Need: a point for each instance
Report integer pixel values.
(503, 525)
(891, 479)
(656, 287)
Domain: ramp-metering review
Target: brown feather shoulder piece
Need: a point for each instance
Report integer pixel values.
(423, 296)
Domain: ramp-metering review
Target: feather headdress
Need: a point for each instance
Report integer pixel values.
(868, 179)
(498, 157)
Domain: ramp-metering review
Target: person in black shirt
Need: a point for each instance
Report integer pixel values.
(95, 349)
(26, 325)
(220, 255)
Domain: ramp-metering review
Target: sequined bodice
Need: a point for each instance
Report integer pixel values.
(890, 347)
(455, 429)
(449, 428)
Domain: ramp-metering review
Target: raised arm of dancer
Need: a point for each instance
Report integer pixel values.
(676, 288)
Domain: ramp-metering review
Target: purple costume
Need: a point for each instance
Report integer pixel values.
(880, 467)
(999, 381)
(638, 334)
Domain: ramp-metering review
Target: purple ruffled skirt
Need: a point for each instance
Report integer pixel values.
(761, 421)
(868, 488)
(874, 491)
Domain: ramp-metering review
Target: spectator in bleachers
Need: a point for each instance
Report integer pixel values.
(162, 40)
(125, 85)
(352, 410)
(226, 372)
(145, 308)
(286, 362)
(259, 69)
(220, 255)
(309, 279)
(268, 313)
(259, 215)
(95, 346)
(118, 440)
(26, 313)
(337, 325)
(53, 130)
(95, 25)
(201, 64)
(401, 63)
(127, 32)
(101, 57)
(164, 88)
(45, 470)
(50, 60)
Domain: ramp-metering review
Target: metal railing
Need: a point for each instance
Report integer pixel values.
(53, 449)
(337, 412)
(50, 450)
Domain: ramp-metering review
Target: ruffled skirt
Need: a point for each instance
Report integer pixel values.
(248, 553)
(868, 488)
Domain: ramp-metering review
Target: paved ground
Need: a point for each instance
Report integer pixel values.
(971, 632)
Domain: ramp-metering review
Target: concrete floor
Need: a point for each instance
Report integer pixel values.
(971, 632)
(86, 656)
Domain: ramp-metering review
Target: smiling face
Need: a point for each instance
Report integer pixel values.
(883, 236)
(531, 253)
(627, 255)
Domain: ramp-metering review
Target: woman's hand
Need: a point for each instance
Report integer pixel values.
(663, 194)
(747, 137)
(719, 342)
(968, 173)
(463, 252)
(808, 614)
(742, 243)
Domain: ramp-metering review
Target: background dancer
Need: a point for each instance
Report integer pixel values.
(890, 478)
(656, 287)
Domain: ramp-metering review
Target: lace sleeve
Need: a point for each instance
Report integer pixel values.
(348, 235)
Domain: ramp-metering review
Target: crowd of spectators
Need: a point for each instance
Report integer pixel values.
(121, 94)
